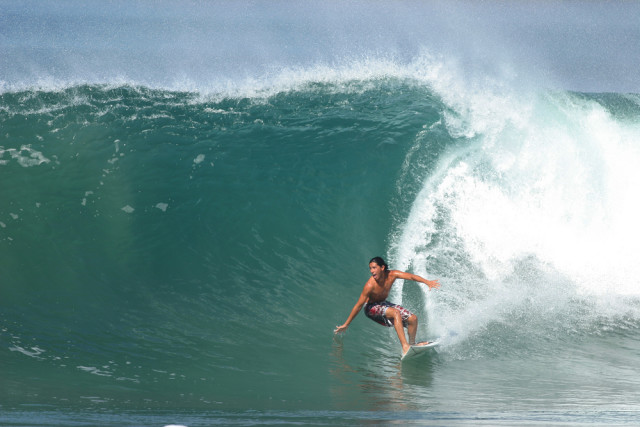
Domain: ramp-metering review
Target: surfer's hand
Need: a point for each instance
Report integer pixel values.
(340, 328)
(432, 284)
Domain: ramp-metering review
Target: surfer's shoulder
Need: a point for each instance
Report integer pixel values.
(395, 273)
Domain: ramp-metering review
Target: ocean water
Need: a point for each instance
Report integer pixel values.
(177, 247)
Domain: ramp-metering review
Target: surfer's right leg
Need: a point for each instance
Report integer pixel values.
(395, 316)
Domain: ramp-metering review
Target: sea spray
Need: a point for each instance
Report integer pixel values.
(529, 219)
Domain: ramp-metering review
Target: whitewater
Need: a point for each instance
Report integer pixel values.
(190, 194)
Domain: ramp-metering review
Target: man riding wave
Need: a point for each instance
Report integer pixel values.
(377, 308)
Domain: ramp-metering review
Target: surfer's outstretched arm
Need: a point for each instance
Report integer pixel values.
(432, 284)
(364, 297)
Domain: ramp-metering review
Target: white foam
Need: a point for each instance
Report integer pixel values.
(34, 352)
(94, 370)
(353, 74)
(537, 208)
(25, 156)
(552, 177)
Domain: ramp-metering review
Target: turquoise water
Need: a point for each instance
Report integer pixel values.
(166, 251)
(181, 255)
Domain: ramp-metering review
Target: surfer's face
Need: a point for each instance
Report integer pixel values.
(376, 270)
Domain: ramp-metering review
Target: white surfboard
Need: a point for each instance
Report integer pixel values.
(418, 350)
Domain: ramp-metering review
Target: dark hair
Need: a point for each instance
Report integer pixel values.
(380, 262)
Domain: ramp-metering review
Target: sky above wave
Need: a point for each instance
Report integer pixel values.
(585, 46)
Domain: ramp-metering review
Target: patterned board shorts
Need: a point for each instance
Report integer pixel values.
(376, 311)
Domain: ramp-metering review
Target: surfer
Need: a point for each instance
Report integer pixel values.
(377, 308)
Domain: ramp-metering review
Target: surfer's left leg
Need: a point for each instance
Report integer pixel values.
(412, 328)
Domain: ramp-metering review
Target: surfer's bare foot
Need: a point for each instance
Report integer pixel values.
(405, 349)
(423, 343)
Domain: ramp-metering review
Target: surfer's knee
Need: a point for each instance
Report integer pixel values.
(392, 313)
(412, 319)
